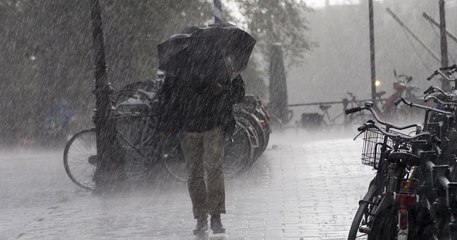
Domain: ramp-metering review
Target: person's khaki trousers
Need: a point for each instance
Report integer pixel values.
(205, 151)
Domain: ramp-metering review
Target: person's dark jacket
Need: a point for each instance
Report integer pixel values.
(191, 106)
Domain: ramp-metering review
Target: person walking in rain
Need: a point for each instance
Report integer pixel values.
(196, 103)
(202, 119)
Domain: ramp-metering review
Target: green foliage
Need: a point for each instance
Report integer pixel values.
(134, 28)
(273, 21)
(46, 51)
(254, 80)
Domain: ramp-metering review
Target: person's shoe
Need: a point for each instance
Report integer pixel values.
(202, 226)
(216, 224)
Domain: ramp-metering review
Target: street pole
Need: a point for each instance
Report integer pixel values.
(108, 155)
(372, 50)
(218, 18)
(443, 42)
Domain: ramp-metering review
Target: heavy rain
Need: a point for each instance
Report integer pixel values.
(228, 119)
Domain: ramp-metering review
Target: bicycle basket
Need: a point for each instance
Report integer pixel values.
(373, 141)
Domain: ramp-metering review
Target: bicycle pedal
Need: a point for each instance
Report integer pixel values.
(365, 230)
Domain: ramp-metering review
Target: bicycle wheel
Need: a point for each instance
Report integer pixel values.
(173, 159)
(136, 135)
(80, 158)
(420, 224)
(239, 154)
(362, 211)
(385, 225)
(254, 130)
(263, 134)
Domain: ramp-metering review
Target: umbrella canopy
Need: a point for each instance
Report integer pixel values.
(207, 53)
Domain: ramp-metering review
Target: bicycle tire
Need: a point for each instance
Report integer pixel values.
(385, 225)
(240, 151)
(249, 121)
(84, 181)
(265, 135)
(174, 163)
(363, 208)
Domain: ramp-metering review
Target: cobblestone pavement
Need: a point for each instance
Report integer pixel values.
(299, 189)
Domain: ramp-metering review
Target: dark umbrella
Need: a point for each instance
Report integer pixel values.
(206, 52)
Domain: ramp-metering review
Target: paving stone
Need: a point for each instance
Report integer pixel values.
(300, 189)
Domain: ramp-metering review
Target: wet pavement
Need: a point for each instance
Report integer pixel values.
(304, 187)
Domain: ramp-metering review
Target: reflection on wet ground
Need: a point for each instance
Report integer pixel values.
(305, 186)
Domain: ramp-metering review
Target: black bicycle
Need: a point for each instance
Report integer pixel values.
(413, 195)
(394, 200)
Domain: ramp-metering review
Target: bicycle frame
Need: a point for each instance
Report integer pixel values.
(445, 192)
(446, 200)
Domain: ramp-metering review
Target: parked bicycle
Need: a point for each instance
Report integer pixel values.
(135, 123)
(388, 210)
(402, 88)
(316, 120)
(356, 119)
(323, 119)
(412, 195)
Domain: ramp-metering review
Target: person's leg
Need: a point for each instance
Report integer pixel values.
(213, 154)
(192, 147)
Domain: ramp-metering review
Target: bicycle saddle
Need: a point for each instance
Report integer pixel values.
(324, 107)
(405, 157)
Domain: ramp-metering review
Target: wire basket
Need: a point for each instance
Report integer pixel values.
(372, 144)
(373, 141)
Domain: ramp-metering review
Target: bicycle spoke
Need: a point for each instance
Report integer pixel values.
(76, 158)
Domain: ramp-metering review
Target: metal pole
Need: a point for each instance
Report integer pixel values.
(218, 18)
(372, 50)
(413, 35)
(443, 42)
(107, 150)
(435, 23)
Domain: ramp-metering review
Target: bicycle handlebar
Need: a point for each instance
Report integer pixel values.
(394, 136)
(353, 110)
(433, 89)
(369, 106)
(406, 77)
(437, 100)
(429, 90)
(442, 74)
(399, 100)
(432, 75)
(427, 108)
(450, 68)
